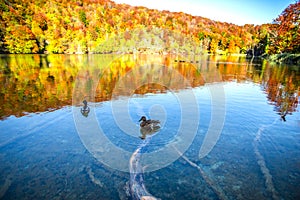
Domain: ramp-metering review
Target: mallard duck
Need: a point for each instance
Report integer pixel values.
(148, 123)
(85, 109)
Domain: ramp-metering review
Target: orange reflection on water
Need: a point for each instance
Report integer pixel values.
(37, 83)
(147, 74)
(282, 88)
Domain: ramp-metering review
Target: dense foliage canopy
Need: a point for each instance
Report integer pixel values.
(102, 26)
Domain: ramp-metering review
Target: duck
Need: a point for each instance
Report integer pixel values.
(148, 127)
(148, 123)
(85, 109)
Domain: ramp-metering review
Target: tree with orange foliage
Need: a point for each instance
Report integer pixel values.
(288, 32)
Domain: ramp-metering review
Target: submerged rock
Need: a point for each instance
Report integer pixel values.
(217, 165)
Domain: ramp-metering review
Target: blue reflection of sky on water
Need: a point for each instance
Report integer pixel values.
(42, 156)
(163, 107)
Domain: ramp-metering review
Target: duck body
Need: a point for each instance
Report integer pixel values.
(148, 123)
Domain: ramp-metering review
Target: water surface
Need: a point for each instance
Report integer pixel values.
(52, 148)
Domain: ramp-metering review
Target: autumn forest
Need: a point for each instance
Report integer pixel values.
(102, 26)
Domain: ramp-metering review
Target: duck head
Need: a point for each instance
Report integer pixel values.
(143, 118)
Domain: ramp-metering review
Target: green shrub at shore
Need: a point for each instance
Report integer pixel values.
(285, 58)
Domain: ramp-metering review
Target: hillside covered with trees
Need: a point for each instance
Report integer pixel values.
(102, 26)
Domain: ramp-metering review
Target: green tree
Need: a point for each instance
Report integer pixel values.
(82, 17)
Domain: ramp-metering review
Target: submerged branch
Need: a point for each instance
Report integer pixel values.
(262, 163)
(218, 191)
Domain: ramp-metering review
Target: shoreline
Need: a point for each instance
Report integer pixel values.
(283, 58)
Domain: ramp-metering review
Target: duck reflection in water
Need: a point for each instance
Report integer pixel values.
(85, 109)
(148, 127)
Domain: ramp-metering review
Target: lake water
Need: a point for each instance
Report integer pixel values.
(230, 127)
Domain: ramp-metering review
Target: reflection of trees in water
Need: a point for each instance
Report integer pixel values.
(34, 83)
(148, 74)
(282, 85)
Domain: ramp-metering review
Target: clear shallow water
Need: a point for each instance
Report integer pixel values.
(257, 156)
